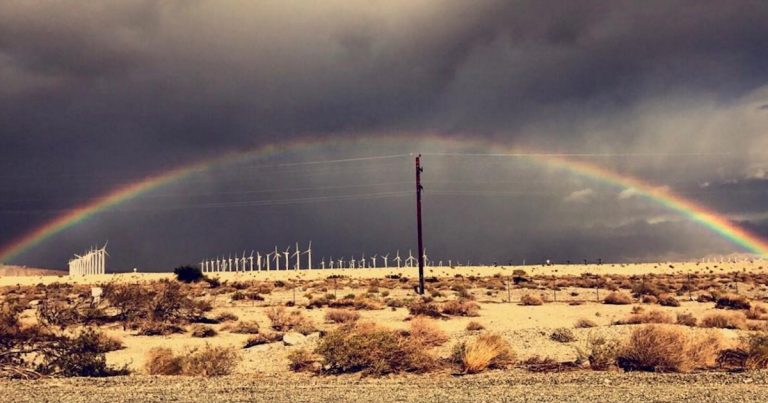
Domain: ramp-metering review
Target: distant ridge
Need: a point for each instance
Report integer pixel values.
(23, 271)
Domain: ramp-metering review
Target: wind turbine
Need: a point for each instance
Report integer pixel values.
(297, 254)
(426, 260)
(308, 252)
(250, 258)
(398, 259)
(362, 261)
(352, 262)
(373, 261)
(330, 262)
(237, 263)
(341, 262)
(322, 263)
(386, 258)
(243, 259)
(258, 260)
(229, 262)
(286, 253)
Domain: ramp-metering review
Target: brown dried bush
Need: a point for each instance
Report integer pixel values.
(487, 351)
(242, 327)
(282, 320)
(563, 335)
(427, 332)
(653, 316)
(425, 307)
(460, 307)
(732, 301)
(617, 298)
(302, 360)
(598, 352)
(341, 316)
(531, 300)
(584, 323)
(206, 361)
(662, 348)
(473, 326)
(725, 320)
(203, 331)
(686, 319)
(668, 299)
(757, 312)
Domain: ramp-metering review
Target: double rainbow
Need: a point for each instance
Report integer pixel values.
(688, 208)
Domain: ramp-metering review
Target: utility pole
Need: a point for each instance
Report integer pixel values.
(419, 188)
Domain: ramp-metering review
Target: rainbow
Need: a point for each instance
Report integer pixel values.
(710, 219)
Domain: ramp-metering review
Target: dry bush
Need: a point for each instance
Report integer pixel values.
(460, 307)
(653, 316)
(226, 317)
(668, 299)
(732, 301)
(662, 348)
(618, 298)
(686, 319)
(242, 327)
(373, 350)
(156, 302)
(757, 312)
(473, 326)
(599, 352)
(283, 321)
(531, 300)
(650, 299)
(563, 335)
(487, 351)
(725, 320)
(426, 331)
(263, 338)
(362, 302)
(152, 328)
(207, 361)
(425, 307)
(341, 316)
(756, 347)
(203, 331)
(584, 323)
(302, 360)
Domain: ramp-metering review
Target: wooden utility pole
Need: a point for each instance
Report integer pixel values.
(419, 188)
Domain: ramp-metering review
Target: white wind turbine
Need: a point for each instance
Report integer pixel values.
(341, 262)
(426, 260)
(352, 262)
(258, 261)
(373, 261)
(277, 258)
(398, 259)
(237, 263)
(322, 263)
(229, 263)
(409, 261)
(308, 252)
(243, 260)
(286, 253)
(297, 255)
(250, 259)
(385, 258)
(362, 261)
(330, 262)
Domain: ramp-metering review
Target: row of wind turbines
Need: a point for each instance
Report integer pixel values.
(287, 260)
(91, 262)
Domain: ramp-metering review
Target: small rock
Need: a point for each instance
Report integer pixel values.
(293, 338)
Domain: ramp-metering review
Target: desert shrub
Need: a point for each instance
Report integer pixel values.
(732, 301)
(162, 361)
(226, 317)
(460, 307)
(662, 348)
(487, 351)
(686, 319)
(341, 316)
(425, 308)
(302, 360)
(188, 274)
(257, 340)
(81, 355)
(650, 299)
(757, 312)
(531, 300)
(725, 320)
(163, 302)
(756, 347)
(206, 361)
(153, 328)
(563, 335)
(584, 323)
(425, 331)
(373, 350)
(618, 298)
(473, 326)
(364, 303)
(668, 300)
(599, 352)
(242, 327)
(203, 331)
(653, 316)
(282, 320)
(59, 313)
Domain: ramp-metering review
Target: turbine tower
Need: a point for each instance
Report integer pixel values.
(297, 255)
(286, 253)
(398, 259)
(385, 258)
(308, 252)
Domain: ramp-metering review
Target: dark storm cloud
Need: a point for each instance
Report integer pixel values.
(97, 93)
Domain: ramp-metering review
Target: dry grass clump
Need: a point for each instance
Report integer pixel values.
(226, 317)
(563, 335)
(668, 299)
(598, 352)
(242, 327)
(302, 360)
(662, 348)
(757, 312)
(584, 323)
(207, 361)
(460, 307)
(686, 319)
(427, 332)
(341, 316)
(425, 307)
(653, 316)
(374, 350)
(203, 331)
(618, 298)
(283, 321)
(531, 300)
(263, 338)
(732, 301)
(487, 351)
(473, 326)
(725, 320)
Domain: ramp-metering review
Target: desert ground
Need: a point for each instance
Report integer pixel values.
(279, 329)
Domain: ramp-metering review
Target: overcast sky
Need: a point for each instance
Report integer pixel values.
(97, 94)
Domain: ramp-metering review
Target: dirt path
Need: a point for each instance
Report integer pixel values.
(507, 386)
